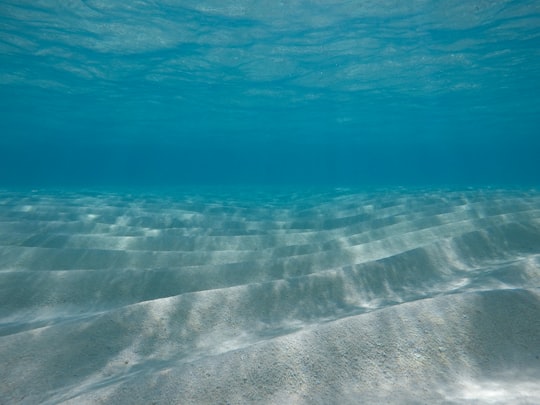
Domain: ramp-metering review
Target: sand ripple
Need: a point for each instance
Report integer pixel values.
(270, 297)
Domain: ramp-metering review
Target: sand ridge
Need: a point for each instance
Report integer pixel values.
(396, 296)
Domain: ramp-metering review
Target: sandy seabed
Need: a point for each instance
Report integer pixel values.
(234, 296)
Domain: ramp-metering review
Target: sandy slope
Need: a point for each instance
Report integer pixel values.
(419, 297)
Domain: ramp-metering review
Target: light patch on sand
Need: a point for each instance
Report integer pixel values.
(496, 392)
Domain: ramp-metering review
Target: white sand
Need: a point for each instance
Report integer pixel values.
(425, 297)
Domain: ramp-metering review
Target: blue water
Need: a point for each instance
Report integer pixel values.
(261, 92)
(266, 202)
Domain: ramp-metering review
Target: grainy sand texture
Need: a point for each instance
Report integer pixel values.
(270, 297)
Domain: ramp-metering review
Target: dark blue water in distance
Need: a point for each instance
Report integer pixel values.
(167, 93)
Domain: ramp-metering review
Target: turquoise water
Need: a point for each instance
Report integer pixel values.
(269, 202)
(166, 93)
